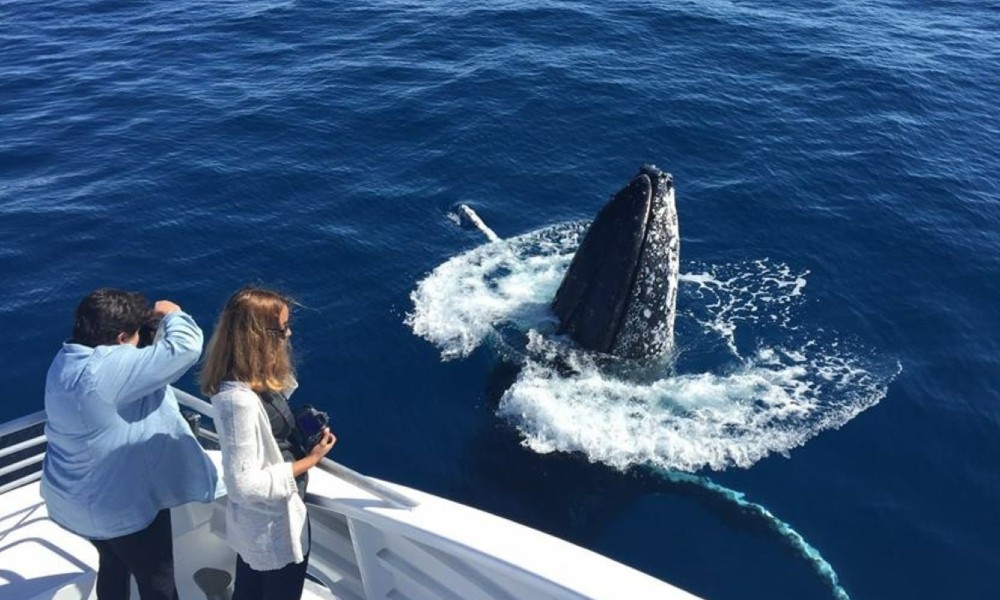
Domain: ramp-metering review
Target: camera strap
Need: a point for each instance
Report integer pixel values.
(283, 425)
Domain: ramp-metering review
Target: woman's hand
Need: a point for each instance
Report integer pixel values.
(315, 455)
(323, 446)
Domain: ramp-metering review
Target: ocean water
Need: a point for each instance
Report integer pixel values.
(830, 426)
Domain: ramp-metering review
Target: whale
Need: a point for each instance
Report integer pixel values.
(618, 297)
(619, 294)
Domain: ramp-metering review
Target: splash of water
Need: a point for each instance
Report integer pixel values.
(465, 300)
(749, 380)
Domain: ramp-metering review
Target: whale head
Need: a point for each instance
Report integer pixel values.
(620, 292)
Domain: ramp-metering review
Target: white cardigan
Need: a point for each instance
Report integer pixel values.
(265, 517)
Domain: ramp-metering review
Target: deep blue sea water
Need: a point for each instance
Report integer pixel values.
(836, 169)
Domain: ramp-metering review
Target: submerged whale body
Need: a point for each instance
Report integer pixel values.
(620, 292)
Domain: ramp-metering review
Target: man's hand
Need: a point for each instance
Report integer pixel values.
(165, 307)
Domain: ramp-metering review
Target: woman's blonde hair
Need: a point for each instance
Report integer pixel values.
(248, 344)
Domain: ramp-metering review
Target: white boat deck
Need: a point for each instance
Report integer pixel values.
(41, 560)
(371, 540)
(37, 556)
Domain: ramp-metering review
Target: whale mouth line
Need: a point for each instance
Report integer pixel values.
(648, 191)
(642, 188)
(619, 290)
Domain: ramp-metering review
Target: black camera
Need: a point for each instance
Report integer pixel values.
(311, 423)
(147, 331)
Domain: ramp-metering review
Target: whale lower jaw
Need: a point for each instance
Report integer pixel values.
(620, 292)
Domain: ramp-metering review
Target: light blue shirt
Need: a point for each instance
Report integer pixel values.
(119, 450)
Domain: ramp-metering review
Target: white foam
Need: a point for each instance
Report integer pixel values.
(464, 300)
(687, 421)
(776, 385)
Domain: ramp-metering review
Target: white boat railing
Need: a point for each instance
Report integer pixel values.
(375, 488)
(13, 428)
(23, 424)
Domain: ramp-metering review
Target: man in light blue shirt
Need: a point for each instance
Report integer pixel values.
(120, 454)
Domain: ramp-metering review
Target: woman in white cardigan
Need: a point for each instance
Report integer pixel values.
(247, 366)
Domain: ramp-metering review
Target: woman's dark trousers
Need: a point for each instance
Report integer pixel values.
(280, 584)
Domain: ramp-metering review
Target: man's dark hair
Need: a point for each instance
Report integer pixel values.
(106, 312)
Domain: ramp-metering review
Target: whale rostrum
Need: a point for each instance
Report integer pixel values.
(620, 293)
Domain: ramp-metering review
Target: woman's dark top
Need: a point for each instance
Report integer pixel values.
(285, 432)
